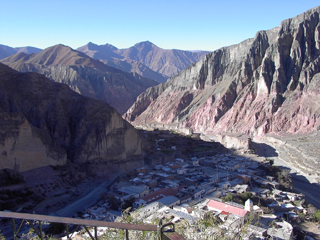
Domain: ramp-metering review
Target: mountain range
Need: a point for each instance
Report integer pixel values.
(266, 84)
(166, 62)
(85, 75)
(46, 123)
(6, 51)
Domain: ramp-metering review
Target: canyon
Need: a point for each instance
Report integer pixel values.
(265, 85)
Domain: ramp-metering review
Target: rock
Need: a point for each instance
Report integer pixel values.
(265, 84)
(235, 141)
(46, 123)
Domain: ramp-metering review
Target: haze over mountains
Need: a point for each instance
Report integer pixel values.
(267, 84)
(167, 62)
(83, 74)
(6, 51)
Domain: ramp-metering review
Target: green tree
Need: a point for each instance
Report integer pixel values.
(245, 196)
(228, 198)
(317, 215)
(311, 211)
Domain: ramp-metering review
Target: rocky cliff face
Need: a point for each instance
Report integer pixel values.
(46, 123)
(266, 84)
(166, 62)
(85, 75)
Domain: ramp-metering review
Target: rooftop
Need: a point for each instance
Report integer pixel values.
(168, 200)
(220, 206)
(160, 193)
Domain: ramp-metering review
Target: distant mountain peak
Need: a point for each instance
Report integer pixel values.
(145, 44)
(92, 46)
(6, 51)
(58, 47)
(244, 88)
(110, 46)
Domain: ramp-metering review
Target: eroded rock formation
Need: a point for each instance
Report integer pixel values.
(266, 84)
(46, 123)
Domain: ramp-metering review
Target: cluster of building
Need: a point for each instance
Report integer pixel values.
(187, 190)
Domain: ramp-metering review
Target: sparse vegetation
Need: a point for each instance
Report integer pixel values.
(2, 237)
(317, 216)
(245, 196)
(228, 198)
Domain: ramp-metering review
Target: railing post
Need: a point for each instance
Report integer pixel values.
(67, 231)
(96, 233)
(33, 227)
(40, 229)
(126, 234)
(159, 229)
(14, 229)
(85, 227)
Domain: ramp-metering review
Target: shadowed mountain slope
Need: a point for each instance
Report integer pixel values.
(83, 74)
(46, 123)
(269, 83)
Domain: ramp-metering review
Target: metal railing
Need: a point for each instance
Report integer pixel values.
(163, 235)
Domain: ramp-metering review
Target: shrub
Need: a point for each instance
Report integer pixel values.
(245, 196)
(317, 215)
(228, 198)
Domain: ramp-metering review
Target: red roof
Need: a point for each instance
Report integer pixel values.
(164, 192)
(220, 206)
(225, 213)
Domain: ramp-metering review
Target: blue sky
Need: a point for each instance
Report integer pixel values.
(187, 25)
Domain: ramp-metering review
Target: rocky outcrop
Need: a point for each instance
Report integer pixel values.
(85, 75)
(46, 123)
(235, 141)
(166, 62)
(266, 84)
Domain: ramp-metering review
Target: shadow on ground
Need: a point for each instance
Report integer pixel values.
(263, 150)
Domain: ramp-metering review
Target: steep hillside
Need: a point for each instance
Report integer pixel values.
(133, 66)
(266, 84)
(84, 75)
(166, 62)
(46, 123)
(108, 55)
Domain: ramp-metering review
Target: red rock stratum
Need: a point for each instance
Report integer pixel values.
(269, 83)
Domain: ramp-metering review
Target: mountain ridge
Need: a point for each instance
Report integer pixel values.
(6, 51)
(254, 87)
(166, 62)
(83, 74)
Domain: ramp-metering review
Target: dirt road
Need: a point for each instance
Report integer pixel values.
(87, 201)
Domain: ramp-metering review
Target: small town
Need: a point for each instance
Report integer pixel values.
(236, 196)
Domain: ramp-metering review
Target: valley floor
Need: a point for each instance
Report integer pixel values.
(71, 194)
(300, 154)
